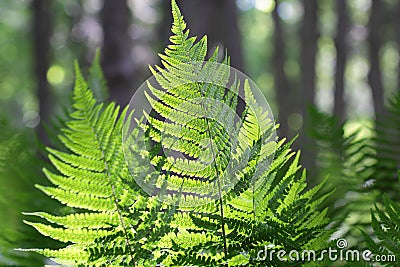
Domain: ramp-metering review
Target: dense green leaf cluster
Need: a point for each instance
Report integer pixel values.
(365, 165)
(19, 170)
(113, 222)
(346, 161)
(385, 223)
(387, 147)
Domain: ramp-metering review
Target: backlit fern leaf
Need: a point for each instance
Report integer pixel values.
(88, 179)
(288, 218)
(267, 205)
(264, 203)
(186, 117)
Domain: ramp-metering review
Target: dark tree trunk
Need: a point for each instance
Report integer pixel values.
(41, 46)
(309, 38)
(397, 27)
(283, 92)
(117, 62)
(375, 44)
(164, 25)
(341, 49)
(218, 20)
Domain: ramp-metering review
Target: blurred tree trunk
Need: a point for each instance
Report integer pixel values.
(164, 25)
(283, 92)
(218, 20)
(375, 44)
(117, 62)
(341, 49)
(41, 49)
(397, 27)
(309, 38)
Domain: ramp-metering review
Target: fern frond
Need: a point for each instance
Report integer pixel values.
(387, 147)
(344, 160)
(228, 196)
(385, 224)
(89, 176)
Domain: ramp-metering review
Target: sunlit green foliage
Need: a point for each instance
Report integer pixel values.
(114, 223)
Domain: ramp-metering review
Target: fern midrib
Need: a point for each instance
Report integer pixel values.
(253, 182)
(221, 204)
(182, 37)
(114, 195)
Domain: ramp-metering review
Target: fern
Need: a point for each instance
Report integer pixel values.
(386, 145)
(96, 79)
(19, 171)
(287, 219)
(89, 179)
(114, 222)
(346, 160)
(385, 223)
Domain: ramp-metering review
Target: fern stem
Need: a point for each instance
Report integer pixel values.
(221, 203)
(123, 226)
(212, 150)
(254, 201)
(115, 200)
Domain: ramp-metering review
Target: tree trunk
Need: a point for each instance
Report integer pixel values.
(117, 62)
(375, 44)
(218, 20)
(341, 48)
(41, 50)
(309, 38)
(283, 92)
(397, 27)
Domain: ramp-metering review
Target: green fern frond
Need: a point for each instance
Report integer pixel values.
(289, 218)
(385, 224)
(19, 171)
(115, 223)
(345, 160)
(387, 147)
(89, 177)
(96, 80)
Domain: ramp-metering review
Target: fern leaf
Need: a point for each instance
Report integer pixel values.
(90, 175)
(228, 196)
(385, 223)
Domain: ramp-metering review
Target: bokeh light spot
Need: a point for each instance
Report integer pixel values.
(265, 5)
(295, 121)
(31, 119)
(55, 75)
(290, 12)
(245, 5)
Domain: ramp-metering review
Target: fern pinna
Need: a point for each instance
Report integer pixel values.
(387, 147)
(115, 221)
(385, 224)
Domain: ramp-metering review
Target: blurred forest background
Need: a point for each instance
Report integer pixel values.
(340, 56)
